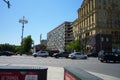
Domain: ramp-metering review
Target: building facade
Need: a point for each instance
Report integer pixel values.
(98, 25)
(43, 42)
(60, 36)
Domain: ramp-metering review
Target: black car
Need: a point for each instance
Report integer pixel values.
(61, 54)
(6, 53)
(92, 54)
(108, 56)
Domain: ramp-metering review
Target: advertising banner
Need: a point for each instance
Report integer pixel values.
(68, 76)
(19, 75)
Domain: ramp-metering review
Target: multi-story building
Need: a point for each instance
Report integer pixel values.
(43, 42)
(60, 36)
(98, 25)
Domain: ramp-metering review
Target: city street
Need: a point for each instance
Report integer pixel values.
(91, 64)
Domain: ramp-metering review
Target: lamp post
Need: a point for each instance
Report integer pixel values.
(22, 21)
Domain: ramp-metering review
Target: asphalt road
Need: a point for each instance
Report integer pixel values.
(91, 64)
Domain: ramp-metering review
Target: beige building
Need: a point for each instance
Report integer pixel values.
(98, 25)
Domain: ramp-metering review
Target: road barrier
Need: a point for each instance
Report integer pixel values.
(74, 73)
(23, 73)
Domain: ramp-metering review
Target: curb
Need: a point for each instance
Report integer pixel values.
(57, 73)
(103, 76)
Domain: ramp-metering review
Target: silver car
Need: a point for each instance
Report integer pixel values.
(77, 55)
(41, 54)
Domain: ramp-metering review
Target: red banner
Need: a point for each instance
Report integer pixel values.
(67, 76)
(19, 75)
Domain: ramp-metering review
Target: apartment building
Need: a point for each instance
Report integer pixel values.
(43, 42)
(60, 36)
(98, 25)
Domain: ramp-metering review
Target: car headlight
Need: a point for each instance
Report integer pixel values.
(116, 54)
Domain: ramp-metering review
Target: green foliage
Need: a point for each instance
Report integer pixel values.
(27, 44)
(69, 47)
(8, 47)
(75, 45)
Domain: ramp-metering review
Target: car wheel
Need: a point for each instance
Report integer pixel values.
(107, 61)
(56, 57)
(102, 60)
(66, 57)
(35, 55)
(45, 56)
(114, 61)
(98, 58)
(73, 57)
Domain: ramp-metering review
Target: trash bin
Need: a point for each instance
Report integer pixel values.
(23, 73)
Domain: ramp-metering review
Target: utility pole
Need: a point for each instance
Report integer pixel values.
(7, 2)
(22, 21)
(40, 38)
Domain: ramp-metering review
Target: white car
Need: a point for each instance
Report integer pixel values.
(77, 55)
(41, 54)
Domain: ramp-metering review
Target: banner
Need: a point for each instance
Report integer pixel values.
(19, 75)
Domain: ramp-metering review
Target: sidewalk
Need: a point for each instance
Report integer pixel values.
(103, 76)
(55, 73)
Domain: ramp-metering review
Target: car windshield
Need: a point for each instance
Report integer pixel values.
(109, 53)
(78, 53)
(43, 52)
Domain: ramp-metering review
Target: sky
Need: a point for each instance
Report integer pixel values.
(42, 15)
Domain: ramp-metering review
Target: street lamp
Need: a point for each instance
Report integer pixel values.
(22, 21)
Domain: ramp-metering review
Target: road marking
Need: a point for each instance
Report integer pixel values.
(103, 76)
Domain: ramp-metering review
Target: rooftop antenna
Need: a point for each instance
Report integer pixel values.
(40, 38)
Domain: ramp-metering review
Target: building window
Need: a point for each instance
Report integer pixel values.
(99, 1)
(99, 20)
(104, 2)
(99, 6)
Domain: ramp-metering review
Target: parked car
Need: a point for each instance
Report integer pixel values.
(61, 54)
(41, 54)
(6, 53)
(108, 56)
(52, 52)
(92, 54)
(77, 55)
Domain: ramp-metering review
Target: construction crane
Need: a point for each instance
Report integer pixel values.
(8, 3)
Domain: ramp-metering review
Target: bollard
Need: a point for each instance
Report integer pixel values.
(23, 73)
(74, 73)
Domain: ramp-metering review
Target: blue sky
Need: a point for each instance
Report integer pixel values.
(42, 15)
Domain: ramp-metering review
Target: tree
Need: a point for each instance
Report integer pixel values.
(8, 47)
(75, 45)
(27, 44)
(69, 47)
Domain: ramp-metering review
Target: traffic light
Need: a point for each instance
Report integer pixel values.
(8, 3)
